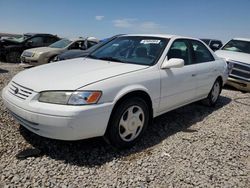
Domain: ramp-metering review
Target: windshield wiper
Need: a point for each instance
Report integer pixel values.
(111, 59)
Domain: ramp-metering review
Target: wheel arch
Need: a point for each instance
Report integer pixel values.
(220, 79)
(129, 92)
(51, 56)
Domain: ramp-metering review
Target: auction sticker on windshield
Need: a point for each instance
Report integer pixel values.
(150, 41)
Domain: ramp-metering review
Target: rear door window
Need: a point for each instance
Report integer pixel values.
(200, 52)
(77, 45)
(91, 43)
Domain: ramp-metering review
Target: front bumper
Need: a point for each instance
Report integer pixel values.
(59, 121)
(33, 60)
(239, 84)
(29, 60)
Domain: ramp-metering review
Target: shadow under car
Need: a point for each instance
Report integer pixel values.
(94, 151)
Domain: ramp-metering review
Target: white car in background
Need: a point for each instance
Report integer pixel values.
(43, 55)
(117, 89)
(237, 54)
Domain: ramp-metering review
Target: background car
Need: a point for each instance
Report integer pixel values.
(70, 54)
(213, 43)
(38, 56)
(9, 35)
(237, 54)
(12, 48)
(117, 90)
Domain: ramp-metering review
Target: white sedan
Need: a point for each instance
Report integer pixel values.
(117, 89)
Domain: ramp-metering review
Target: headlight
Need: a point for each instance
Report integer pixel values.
(230, 66)
(37, 54)
(70, 98)
(57, 97)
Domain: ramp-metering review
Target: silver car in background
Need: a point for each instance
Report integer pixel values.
(43, 55)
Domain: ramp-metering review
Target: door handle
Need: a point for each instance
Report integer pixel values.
(193, 75)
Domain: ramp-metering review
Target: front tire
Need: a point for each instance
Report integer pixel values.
(51, 60)
(128, 123)
(214, 94)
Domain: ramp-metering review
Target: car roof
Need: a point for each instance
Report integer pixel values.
(32, 34)
(151, 35)
(209, 39)
(161, 36)
(243, 39)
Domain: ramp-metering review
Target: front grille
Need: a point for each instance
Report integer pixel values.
(27, 54)
(240, 73)
(242, 67)
(240, 70)
(19, 91)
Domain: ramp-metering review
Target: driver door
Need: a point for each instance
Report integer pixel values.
(178, 85)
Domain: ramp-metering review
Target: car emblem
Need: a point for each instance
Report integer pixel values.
(16, 90)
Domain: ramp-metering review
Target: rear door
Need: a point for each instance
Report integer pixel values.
(205, 66)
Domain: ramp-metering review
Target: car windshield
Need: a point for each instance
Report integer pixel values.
(19, 38)
(101, 43)
(238, 46)
(132, 49)
(61, 43)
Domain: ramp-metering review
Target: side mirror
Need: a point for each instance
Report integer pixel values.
(172, 63)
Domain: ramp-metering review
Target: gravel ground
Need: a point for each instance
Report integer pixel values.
(194, 146)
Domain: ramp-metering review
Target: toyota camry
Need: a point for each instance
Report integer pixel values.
(116, 90)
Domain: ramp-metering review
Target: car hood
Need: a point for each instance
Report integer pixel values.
(235, 56)
(72, 74)
(43, 50)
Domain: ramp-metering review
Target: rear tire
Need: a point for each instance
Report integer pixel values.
(13, 57)
(127, 123)
(214, 94)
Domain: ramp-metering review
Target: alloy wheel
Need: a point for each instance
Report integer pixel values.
(131, 123)
(215, 91)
